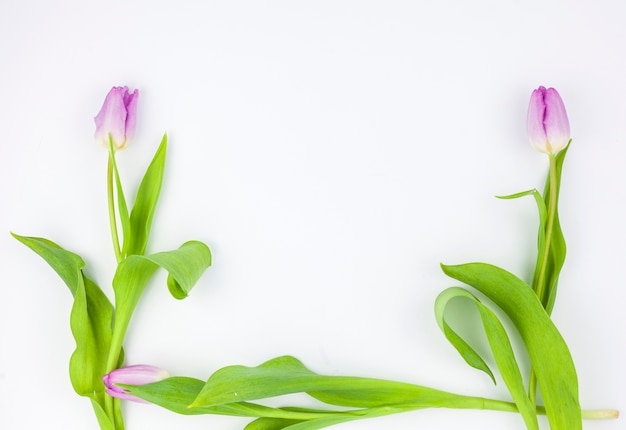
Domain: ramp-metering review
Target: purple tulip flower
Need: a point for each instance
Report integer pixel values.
(118, 117)
(139, 374)
(548, 126)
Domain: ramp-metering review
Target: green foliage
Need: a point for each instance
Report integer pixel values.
(556, 244)
(145, 203)
(549, 355)
(185, 266)
(98, 337)
(500, 347)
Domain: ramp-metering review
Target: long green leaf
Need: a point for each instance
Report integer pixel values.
(145, 203)
(121, 199)
(286, 375)
(500, 346)
(177, 393)
(549, 355)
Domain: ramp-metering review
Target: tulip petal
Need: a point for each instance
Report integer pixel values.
(547, 123)
(536, 114)
(130, 101)
(555, 121)
(139, 374)
(117, 117)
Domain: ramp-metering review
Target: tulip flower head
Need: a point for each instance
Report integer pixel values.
(548, 126)
(138, 374)
(117, 118)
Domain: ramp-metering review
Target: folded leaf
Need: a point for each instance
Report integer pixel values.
(549, 355)
(185, 266)
(500, 346)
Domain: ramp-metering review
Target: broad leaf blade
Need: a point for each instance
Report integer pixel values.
(90, 318)
(90, 321)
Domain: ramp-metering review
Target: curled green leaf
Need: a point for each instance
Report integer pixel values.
(185, 265)
(500, 347)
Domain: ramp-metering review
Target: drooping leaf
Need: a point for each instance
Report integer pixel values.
(500, 347)
(67, 264)
(549, 355)
(541, 234)
(90, 318)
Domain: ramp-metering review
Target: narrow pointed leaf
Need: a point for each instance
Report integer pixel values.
(121, 199)
(103, 419)
(145, 203)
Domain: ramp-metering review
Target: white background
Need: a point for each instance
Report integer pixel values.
(331, 153)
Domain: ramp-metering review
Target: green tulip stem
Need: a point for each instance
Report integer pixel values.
(542, 292)
(111, 200)
(540, 288)
(115, 347)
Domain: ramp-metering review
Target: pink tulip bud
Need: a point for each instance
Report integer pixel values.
(548, 127)
(117, 117)
(139, 374)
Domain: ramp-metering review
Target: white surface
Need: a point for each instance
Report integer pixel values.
(331, 153)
